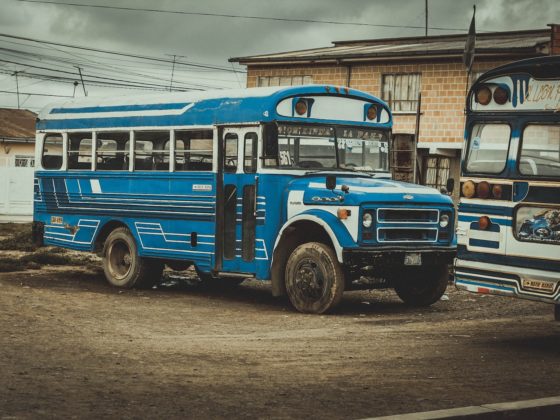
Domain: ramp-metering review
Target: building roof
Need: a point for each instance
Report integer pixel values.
(17, 123)
(517, 44)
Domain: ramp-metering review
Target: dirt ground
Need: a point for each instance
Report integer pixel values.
(72, 346)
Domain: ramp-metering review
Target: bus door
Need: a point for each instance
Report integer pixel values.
(238, 221)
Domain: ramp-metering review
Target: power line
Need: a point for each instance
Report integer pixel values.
(143, 57)
(101, 67)
(36, 94)
(232, 16)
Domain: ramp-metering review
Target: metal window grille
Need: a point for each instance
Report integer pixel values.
(436, 171)
(401, 91)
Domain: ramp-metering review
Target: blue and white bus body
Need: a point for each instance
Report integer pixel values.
(516, 250)
(188, 216)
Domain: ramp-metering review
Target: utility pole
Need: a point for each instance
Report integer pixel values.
(82, 79)
(173, 68)
(426, 4)
(17, 86)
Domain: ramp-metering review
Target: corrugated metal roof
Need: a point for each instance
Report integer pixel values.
(17, 123)
(528, 42)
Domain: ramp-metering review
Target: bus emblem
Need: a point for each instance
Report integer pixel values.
(408, 197)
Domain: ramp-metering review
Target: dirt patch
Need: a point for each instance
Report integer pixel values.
(70, 345)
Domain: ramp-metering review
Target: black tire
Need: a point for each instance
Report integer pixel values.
(422, 286)
(122, 265)
(314, 278)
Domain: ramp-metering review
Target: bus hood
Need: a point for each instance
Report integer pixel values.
(364, 189)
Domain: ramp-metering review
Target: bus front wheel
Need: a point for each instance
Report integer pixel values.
(314, 278)
(422, 286)
(123, 266)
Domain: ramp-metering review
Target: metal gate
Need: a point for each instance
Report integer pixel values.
(16, 189)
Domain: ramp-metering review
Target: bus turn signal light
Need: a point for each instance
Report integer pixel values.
(501, 95)
(343, 213)
(483, 95)
(484, 222)
(372, 113)
(497, 191)
(483, 189)
(301, 107)
(468, 189)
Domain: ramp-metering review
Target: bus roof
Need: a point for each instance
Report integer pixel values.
(252, 105)
(539, 68)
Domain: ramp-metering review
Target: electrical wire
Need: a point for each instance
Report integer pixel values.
(233, 16)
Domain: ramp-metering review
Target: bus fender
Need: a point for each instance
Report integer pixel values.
(324, 224)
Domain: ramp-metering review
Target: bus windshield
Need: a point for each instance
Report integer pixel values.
(488, 148)
(320, 147)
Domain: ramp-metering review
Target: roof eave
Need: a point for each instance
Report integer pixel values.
(418, 55)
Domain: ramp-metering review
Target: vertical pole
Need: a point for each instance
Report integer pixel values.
(172, 71)
(426, 7)
(82, 79)
(17, 87)
(416, 135)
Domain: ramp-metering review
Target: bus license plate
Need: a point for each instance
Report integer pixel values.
(545, 286)
(412, 258)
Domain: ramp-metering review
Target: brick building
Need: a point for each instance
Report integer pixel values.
(396, 70)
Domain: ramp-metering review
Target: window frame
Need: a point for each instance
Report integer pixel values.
(391, 101)
(520, 149)
(465, 160)
(254, 137)
(211, 130)
(93, 140)
(64, 137)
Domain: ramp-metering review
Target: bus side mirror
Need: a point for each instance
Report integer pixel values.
(450, 185)
(330, 182)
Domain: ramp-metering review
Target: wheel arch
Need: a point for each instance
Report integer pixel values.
(311, 226)
(104, 232)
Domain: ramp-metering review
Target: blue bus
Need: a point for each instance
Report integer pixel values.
(290, 185)
(509, 213)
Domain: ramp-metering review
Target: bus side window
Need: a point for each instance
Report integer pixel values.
(52, 152)
(112, 151)
(79, 151)
(230, 153)
(250, 153)
(151, 151)
(193, 150)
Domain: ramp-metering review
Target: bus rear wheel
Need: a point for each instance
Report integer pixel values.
(123, 266)
(422, 286)
(314, 278)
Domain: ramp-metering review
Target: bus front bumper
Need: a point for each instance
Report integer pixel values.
(526, 283)
(395, 256)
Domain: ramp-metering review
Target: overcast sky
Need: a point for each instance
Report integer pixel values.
(211, 40)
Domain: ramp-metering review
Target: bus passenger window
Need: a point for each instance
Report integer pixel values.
(151, 151)
(540, 151)
(112, 151)
(250, 153)
(52, 152)
(230, 153)
(79, 151)
(193, 150)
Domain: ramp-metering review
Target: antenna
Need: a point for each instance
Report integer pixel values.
(17, 86)
(173, 68)
(82, 79)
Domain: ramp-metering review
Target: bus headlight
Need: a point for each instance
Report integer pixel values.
(367, 220)
(444, 220)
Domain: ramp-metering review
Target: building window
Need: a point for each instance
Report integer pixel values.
(400, 91)
(24, 161)
(436, 171)
(284, 80)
